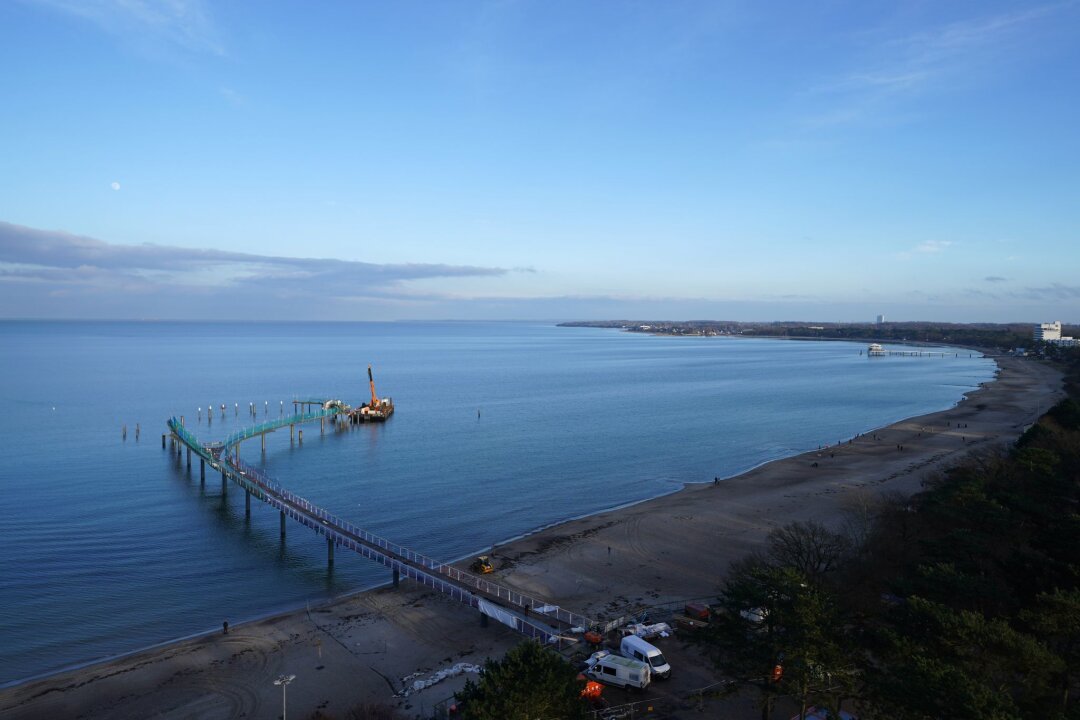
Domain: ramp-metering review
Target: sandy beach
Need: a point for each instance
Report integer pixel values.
(368, 647)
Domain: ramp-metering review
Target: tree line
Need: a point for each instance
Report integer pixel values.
(960, 602)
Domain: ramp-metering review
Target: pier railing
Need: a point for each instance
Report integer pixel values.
(541, 607)
(271, 425)
(447, 579)
(188, 439)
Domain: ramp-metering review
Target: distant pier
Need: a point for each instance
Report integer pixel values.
(876, 350)
(910, 353)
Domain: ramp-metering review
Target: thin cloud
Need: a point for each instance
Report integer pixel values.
(185, 23)
(1057, 291)
(930, 247)
(232, 97)
(995, 279)
(62, 264)
(908, 65)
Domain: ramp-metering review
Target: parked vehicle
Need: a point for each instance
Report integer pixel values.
(697, 611)
(618, 671)
(637, 649)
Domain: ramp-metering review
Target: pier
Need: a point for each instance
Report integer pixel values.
(881, 352)
(918, 353)
(531, 616)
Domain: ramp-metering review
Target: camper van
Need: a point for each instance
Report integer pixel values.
(635, 648)
(618, 671)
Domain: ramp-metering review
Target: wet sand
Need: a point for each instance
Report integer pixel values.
(368, 647)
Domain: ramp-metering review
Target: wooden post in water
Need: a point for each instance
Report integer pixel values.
(301, 434)
(329, 553)
(264, 443)
(247, 503)
(202, 471)
(224, 482)
(322, 426)
(397, 577)
(189, 458)
(292, 433)
(162, 441)
(282, 524)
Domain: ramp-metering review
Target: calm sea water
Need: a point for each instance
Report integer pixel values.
(112, 545)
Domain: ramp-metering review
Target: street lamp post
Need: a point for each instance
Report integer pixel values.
(283, 681)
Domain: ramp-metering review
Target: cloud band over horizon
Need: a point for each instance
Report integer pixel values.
(48, 274)
(46, 269)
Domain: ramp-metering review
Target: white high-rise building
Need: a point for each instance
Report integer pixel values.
(880, 319)
(1046, 332)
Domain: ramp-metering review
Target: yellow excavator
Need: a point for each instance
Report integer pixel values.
(482, 565)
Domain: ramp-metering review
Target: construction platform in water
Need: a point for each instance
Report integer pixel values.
(375, 410)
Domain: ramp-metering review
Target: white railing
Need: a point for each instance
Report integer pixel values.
(345, 533)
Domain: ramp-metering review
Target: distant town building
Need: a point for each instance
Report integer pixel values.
(1050, 333)
(880, 319)
(1045, 332)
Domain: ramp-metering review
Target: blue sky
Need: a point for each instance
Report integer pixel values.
(540, 160)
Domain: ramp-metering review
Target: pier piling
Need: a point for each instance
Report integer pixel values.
(329, 552)
(224, 482)
(189, 458)
(282, 524)
(162, 441)
(301, 436)
(397, 577)
(247, 504)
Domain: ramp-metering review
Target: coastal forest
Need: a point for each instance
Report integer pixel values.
(981, 335)
(960, 602)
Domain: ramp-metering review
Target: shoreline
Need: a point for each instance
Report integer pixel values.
(669, 547)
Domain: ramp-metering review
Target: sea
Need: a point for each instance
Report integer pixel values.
(110, 544)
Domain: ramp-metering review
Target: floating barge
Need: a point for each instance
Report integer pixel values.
(376, 410)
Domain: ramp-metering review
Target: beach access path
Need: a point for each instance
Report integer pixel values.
(367, 647)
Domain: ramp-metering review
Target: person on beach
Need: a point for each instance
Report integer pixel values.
(225, 628)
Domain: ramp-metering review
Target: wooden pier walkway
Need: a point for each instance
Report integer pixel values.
(531, 616)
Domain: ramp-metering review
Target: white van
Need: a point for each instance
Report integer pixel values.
(635, 648)
(618, 671)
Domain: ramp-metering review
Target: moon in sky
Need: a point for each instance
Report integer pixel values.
(114, 185)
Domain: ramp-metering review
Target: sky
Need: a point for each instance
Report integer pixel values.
(547, 159)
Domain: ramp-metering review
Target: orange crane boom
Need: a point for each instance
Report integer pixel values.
(374, 398)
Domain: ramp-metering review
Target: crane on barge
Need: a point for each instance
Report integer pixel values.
(376, 410)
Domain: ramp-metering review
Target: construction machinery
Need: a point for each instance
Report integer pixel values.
(375, 410)
(482, 565)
